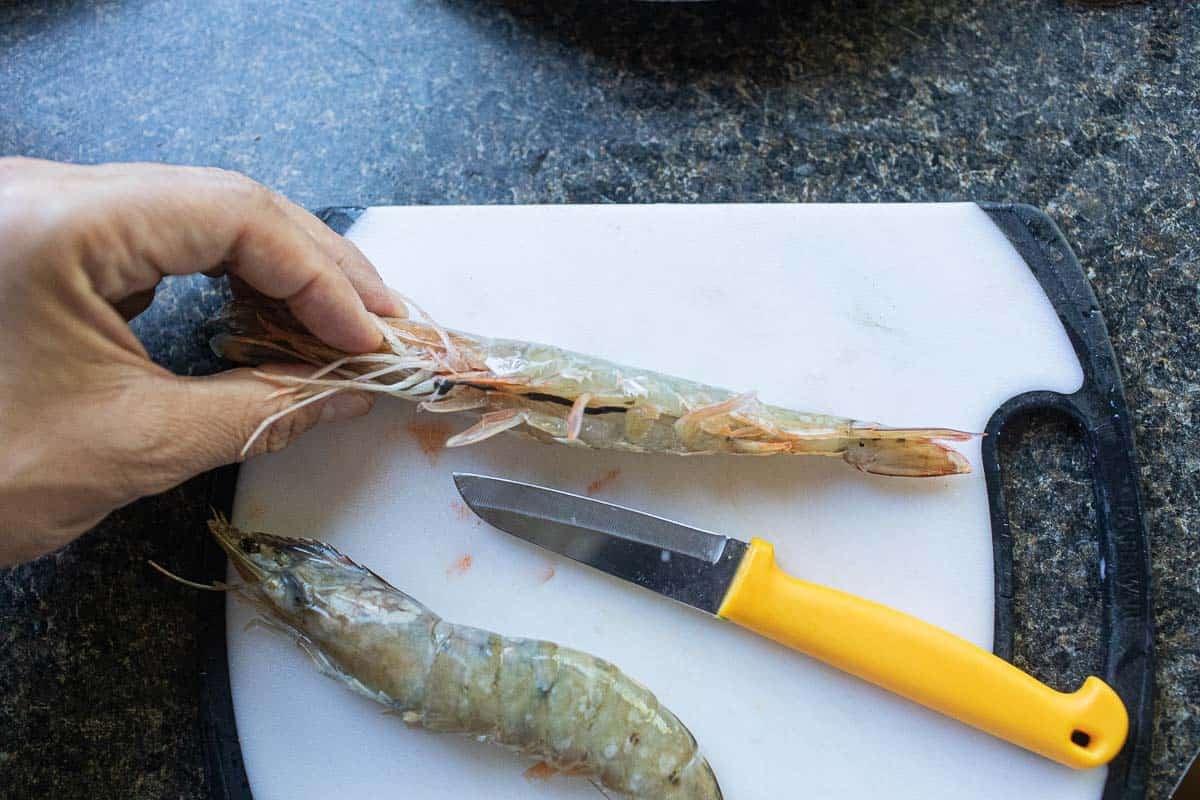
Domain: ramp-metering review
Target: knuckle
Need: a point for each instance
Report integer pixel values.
(240, 187)
(283, 431)
(260, 196)
(286, 430)
(279, 435)
(222, 175)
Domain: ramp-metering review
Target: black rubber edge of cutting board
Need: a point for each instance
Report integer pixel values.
(1127, 617)
(1099, 408)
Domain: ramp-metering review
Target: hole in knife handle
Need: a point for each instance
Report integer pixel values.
(1056, 567)
(1081, 738)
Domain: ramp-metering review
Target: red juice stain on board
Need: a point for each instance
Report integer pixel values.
(431, 437)
(461, 566)
(603, 482)
(462, 510)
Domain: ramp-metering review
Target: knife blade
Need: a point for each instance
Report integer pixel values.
(740, 582)
(680, 562)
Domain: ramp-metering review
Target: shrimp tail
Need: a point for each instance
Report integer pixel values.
(907, 453)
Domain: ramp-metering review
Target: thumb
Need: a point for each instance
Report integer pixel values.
(222, 412)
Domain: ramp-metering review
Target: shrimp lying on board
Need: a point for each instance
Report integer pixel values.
(559, 396)
(574, 712)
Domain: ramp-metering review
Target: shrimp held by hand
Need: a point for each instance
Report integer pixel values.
(574, 712)
(558, 396)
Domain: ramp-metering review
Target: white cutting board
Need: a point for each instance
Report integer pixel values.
(904, 314)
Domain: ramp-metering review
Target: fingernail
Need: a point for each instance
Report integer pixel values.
(345, 406)
(401, 304)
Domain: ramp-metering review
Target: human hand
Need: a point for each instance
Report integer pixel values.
(87, 422)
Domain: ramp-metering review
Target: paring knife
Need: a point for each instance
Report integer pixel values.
(740, 582)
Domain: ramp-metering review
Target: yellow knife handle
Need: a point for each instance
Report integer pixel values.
(925, 664)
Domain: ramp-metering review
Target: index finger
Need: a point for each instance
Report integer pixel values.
(282, 258)
(182, 220)
(363, 276)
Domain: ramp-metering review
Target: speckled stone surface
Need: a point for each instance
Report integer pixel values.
(1090, 113)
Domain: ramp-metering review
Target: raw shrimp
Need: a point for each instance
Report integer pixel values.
(575, 712)
(559, 396)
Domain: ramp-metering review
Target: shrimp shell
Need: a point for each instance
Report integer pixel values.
(575, 712)
(555, 395)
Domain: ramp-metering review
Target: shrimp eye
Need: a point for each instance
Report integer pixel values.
(294, 592)
(248, 545)
(634, 739)
(673, 778)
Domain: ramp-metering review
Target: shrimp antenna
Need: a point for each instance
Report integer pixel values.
(278, 415)
(215, 587)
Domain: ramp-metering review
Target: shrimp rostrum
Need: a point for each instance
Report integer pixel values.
(574, 712)
(555, 395)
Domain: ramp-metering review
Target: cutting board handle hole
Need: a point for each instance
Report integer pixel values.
(1056, 570)
(1081, 738)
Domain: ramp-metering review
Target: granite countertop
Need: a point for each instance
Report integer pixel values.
(1088, 112)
